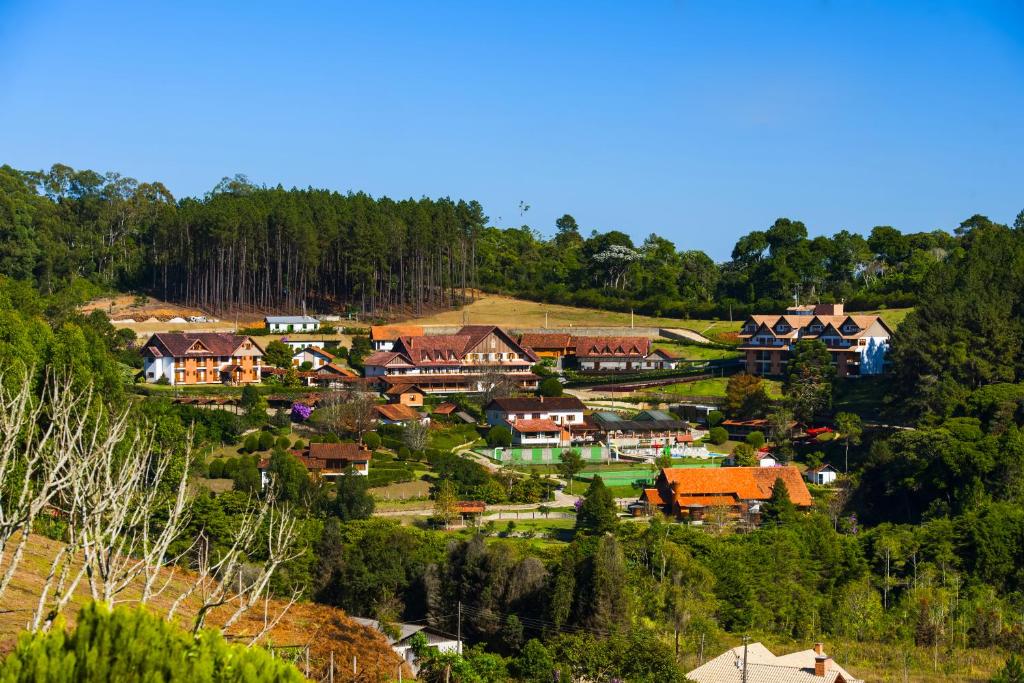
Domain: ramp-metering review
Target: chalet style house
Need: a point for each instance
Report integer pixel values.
(688, 493)
(858, 343)
(454, 363)
(621, 354)
(201, 358)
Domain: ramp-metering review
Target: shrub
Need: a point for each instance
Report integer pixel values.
(404, 453)
(371, 440)
(755, 439)
(550, 387)
(216, 469)
(252, 443)
(306, 366)
(283, 442)
(715, 417)
(266, 441)
(299, 444)
(718, 435)
(130, 644)
(499, 435)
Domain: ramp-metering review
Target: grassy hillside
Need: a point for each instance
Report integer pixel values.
(323, 629)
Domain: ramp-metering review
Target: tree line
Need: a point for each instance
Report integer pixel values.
(247, 246)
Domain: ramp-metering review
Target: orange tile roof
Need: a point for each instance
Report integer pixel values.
(471, 506)
(534, 426)
(546, 340)
(746, 483)
(652, 496)
(397, 412)
(445, 409)
(393, 332)
(706, 501)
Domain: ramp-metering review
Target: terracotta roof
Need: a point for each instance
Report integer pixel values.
(471, 506)
(393, 332)
(445, 409)
(535, 426)
(612, 346)
(317, 350)
(425, 380)
(533, 404)
(546, 340)
(705, 501)
(399, 389)
(196, 344)
(384, 357)
(396, 412)
(338, 369)
(652, 496)
(338, 451)
(746, 483)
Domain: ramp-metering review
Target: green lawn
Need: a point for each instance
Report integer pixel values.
(707, 387)
(892, 316)
(449, 437)
(694, 352)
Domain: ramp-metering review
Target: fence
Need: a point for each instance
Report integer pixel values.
(545, 456)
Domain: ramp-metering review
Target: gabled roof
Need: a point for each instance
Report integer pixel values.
(335, 369)
(339, 451)
(445, 409)
(399, 389)
(444, 349)
(745, 483)
(195, 344)
(316, 350)
(652, 496)
(396, 412)
(534, 426)
(612, 346)
(536, 404)
(765, 667)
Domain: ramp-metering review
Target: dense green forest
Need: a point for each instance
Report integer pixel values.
(270, 248)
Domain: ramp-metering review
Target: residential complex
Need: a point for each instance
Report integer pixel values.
(858, 344)
(182, 358)
(467, 361)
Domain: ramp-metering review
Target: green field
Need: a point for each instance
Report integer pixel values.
(694, 352)
(714, 386)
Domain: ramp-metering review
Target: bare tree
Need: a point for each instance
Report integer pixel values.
(351, 410)
(35, 463)
(494, 383)
(415, 435)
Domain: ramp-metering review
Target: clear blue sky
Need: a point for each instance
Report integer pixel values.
(697, 120)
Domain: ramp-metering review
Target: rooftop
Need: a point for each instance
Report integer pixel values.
(536, 404)
(290, 320)
(744, 483)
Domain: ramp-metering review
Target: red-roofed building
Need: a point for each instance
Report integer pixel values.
(688, 492)
(539, 433)
(453, 363)
(398, 414)
(183, 358)
(327, 460)
(549, 344)
(621, 354)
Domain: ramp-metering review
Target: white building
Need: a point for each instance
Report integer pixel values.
(292, 323)
(402, 645)
(538, 433)
(822, 476)
(313, 355)
(562, 410)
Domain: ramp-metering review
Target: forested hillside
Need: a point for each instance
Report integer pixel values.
(270, 248)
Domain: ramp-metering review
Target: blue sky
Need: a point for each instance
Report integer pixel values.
(697, 120)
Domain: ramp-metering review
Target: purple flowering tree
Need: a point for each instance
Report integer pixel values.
(301, 412)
